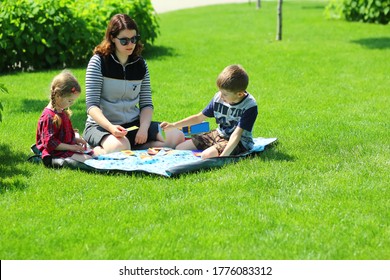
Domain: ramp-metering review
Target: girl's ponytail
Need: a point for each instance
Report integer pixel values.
(63, 85)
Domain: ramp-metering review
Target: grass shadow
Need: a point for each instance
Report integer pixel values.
(9, 172)
(79, 114)
(33, 105)
(380, 43)
(272, 154)
(157, 52)
(314, 7)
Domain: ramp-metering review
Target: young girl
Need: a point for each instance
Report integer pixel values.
(56, 137)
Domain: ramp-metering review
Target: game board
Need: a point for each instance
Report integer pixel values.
(166, 162)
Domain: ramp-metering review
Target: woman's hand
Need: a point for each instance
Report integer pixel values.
(118, 131)
(141, 137)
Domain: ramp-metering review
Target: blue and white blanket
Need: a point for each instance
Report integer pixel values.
(166, 162)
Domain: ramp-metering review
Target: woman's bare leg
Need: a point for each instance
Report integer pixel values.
(173, 138)
(111, 144)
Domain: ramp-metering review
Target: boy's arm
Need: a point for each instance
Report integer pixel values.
(194, 119)
(233, 141)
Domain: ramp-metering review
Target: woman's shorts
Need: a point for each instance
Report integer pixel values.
(212, 138)
(94, 133)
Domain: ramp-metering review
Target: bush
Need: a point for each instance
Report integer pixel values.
(334, 10)
(40, 35)
(372, 11)
(97, 16)
(62, 33)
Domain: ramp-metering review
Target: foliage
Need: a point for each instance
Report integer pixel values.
(41, 35)
(97, 14)
(371, 11)
(62, 33)
(143, 13)
(334, 9)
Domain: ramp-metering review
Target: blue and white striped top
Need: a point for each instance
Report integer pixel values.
(120, 91)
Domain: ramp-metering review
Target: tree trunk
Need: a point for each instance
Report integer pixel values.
(279, 25)
(258, 6)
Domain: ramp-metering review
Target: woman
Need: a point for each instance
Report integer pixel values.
(118, 93)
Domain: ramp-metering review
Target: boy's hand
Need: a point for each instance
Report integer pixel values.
(166, 125)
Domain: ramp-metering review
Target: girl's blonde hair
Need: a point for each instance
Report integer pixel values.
(63, 85)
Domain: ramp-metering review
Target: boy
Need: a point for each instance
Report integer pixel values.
(235, 111)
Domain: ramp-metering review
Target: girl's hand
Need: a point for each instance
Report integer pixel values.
(77, 148)
(81, 141)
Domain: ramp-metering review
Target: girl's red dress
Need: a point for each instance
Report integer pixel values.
(49, 136)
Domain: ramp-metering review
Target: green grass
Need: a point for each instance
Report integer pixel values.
(322, 193)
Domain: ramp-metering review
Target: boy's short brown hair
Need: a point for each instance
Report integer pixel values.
(233, 78)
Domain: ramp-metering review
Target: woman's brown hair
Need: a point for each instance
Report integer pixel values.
(118, 23)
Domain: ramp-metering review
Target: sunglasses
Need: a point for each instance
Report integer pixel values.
(125, 41)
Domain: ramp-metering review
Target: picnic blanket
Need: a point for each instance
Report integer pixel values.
(166, 162)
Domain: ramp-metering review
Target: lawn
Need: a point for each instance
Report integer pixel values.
(322, 193)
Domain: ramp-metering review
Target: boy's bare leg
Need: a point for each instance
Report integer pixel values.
(186, 145)
(173, 138)
(210, 152)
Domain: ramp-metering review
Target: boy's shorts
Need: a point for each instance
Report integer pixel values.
(94, 133)
(212, 138)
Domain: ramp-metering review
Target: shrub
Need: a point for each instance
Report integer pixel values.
(334, 9)
(372, 11)
(62, 33)
(96, 15)
(40, 35)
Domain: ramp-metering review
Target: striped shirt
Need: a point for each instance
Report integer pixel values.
(120, 91)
